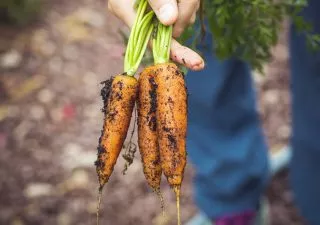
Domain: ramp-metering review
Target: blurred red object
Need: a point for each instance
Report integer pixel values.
(69, 111)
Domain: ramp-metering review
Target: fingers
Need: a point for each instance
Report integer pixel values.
(124, 10)
(167, 13)
(186, 56)
(187, 15)
(166, 10)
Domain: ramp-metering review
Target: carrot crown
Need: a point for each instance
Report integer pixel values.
(138, 39)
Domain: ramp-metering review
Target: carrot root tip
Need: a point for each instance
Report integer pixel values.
(177, 189)
(99, 203)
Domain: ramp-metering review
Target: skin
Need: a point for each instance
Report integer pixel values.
(169, 12)
(147, 128)
(119, 104)
(171, 121)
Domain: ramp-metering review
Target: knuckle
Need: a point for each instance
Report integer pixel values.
(113, 6)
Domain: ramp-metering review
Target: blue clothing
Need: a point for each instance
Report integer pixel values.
(225, 139)
(305, 86)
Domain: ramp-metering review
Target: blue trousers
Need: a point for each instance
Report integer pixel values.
(225, 139)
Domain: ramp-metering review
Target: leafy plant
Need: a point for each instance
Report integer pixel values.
(247, 29)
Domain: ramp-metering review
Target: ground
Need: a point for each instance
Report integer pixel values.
(50, 121)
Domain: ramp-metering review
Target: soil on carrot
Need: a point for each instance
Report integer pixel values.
(153, 95)
(172, 141)
(105, 93)
(50, 122)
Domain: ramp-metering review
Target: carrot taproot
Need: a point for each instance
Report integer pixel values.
(147, 130)
(119, 95)
(172, 125)
(171, 112)
(171, 121)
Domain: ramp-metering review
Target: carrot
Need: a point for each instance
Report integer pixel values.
(172, 125)
(119, 95)
(171, 121)
(171, 112)
(147, 130)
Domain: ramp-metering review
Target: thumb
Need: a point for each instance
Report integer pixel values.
(166, 10)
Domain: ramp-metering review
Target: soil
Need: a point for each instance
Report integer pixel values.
(51, 119)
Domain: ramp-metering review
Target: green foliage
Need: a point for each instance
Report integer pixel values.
(19, 11)
(247, 29)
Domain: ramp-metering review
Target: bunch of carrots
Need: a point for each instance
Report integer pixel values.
(161, 98)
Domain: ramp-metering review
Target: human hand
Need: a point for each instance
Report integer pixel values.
(169, 12)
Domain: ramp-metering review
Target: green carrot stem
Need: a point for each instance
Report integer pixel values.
(162, 44)
(168, 43)
(140, 17)
(145, 24)
(138, 39)
(128, 57)
(133, 34)
(136, 66)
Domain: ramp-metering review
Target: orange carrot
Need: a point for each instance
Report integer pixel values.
(172, 124)
(119, 95)
(171, 121)
(147, 131)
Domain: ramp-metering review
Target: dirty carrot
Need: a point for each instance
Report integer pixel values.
(171, 121)
(172, 124)
(119, 95)
(171, 112)
(147, 130)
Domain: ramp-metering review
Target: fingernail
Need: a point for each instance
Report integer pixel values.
(167, 14)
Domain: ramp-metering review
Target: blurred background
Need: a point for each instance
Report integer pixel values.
(53, 56)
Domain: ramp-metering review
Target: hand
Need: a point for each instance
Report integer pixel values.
(168, 12)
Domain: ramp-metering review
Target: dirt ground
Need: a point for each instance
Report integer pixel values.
(50, 121)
